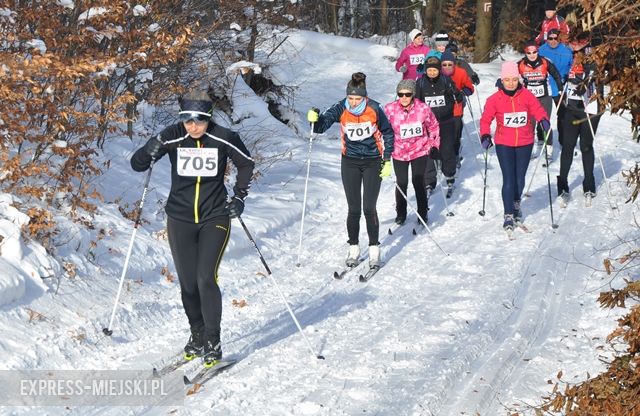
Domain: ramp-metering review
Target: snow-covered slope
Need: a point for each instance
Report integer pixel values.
(476, 329)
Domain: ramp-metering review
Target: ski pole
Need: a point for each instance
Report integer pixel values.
(484, 186)
(604, 174)
(304, 199)
(264, 262)
(544, 147)
(419, 218)
(107, 330)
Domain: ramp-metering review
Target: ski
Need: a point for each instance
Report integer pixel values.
(339, 274)
(369, 274)
(207, 374)
(177, 362)
(523, 227)
(395, 227)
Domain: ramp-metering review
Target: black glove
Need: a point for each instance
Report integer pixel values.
(153, 147)
(475, 79)
(434, 153)
(581, 88)
(420, 68)
(234, 207)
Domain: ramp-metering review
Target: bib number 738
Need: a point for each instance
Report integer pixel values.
(197, 162)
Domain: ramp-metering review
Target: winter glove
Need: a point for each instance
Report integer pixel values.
(313, 115)
(475, 79)
(546, 126)
(434, 153)
(385, 172)
(486, 141)
(467, 91)
(420, 69)
(403, 68)
(153, 147)
(234, 207)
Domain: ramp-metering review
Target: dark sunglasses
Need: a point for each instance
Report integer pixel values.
(405, 94)
(552, 38)
(195, 117)
(532, 53)
(447, 64)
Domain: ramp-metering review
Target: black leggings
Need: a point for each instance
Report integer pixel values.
(361, 181)
(576, 125)
(197, 251)
(418, 167)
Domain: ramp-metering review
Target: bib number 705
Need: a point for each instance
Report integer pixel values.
(197, 162)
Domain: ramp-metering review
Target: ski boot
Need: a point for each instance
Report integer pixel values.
(517, 212)
(374, 256)
(353, 255)
(194, 347)
(212, 353)
(588, 198)
(508, 224)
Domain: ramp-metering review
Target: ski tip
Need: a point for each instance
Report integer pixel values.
(297, 264)
(450, 214)
(320, 357)
(390, 232)
(336, 275)
(156, 374)
(481, 213)
(414, 232)
(186, 380)
(554, 226)
(107, 331)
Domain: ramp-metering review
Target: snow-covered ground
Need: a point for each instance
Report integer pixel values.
(478, 329)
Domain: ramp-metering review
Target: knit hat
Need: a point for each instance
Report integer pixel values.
(530, 44)
(406, 84)
(414, 34)
(432, 62)
(448, 56)
(509, 70)
(441, 38)
(549, 5)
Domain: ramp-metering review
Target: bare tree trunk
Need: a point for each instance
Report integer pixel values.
(384, 18)
(429, 17)
(509, 15)
(334, 18)
(483, 31)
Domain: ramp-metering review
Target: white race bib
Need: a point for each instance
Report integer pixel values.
(359, 131)
(572, 94)
(537, 90)
(517, 119)
(193, 161)
(416, 59)
(435, 101)
(410, 130)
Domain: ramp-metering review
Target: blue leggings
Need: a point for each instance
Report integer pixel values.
(514, 162)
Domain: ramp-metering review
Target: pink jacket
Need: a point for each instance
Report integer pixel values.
(514, 126)
(411, 56)
(416, 130)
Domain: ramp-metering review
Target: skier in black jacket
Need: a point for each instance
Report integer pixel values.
(440, 93)
(198, 214)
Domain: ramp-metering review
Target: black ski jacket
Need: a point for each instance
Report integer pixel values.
(440, 94)
(197, 191)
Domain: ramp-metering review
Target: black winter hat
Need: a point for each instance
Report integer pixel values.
(453, 47)
(433, 62)
(549, 5)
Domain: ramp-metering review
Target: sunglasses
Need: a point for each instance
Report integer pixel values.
(532, 53)
(552, 38)
(405, 94)
(200, 119)
(447, 64)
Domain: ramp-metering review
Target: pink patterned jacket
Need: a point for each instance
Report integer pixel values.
(416, 130)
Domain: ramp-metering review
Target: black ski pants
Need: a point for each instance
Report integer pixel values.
(447, 154)
(418, 167)
(197, 250)
(576, 126)
(361, 181)
(547, 104)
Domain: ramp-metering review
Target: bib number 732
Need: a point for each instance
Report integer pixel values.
(197, 162)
